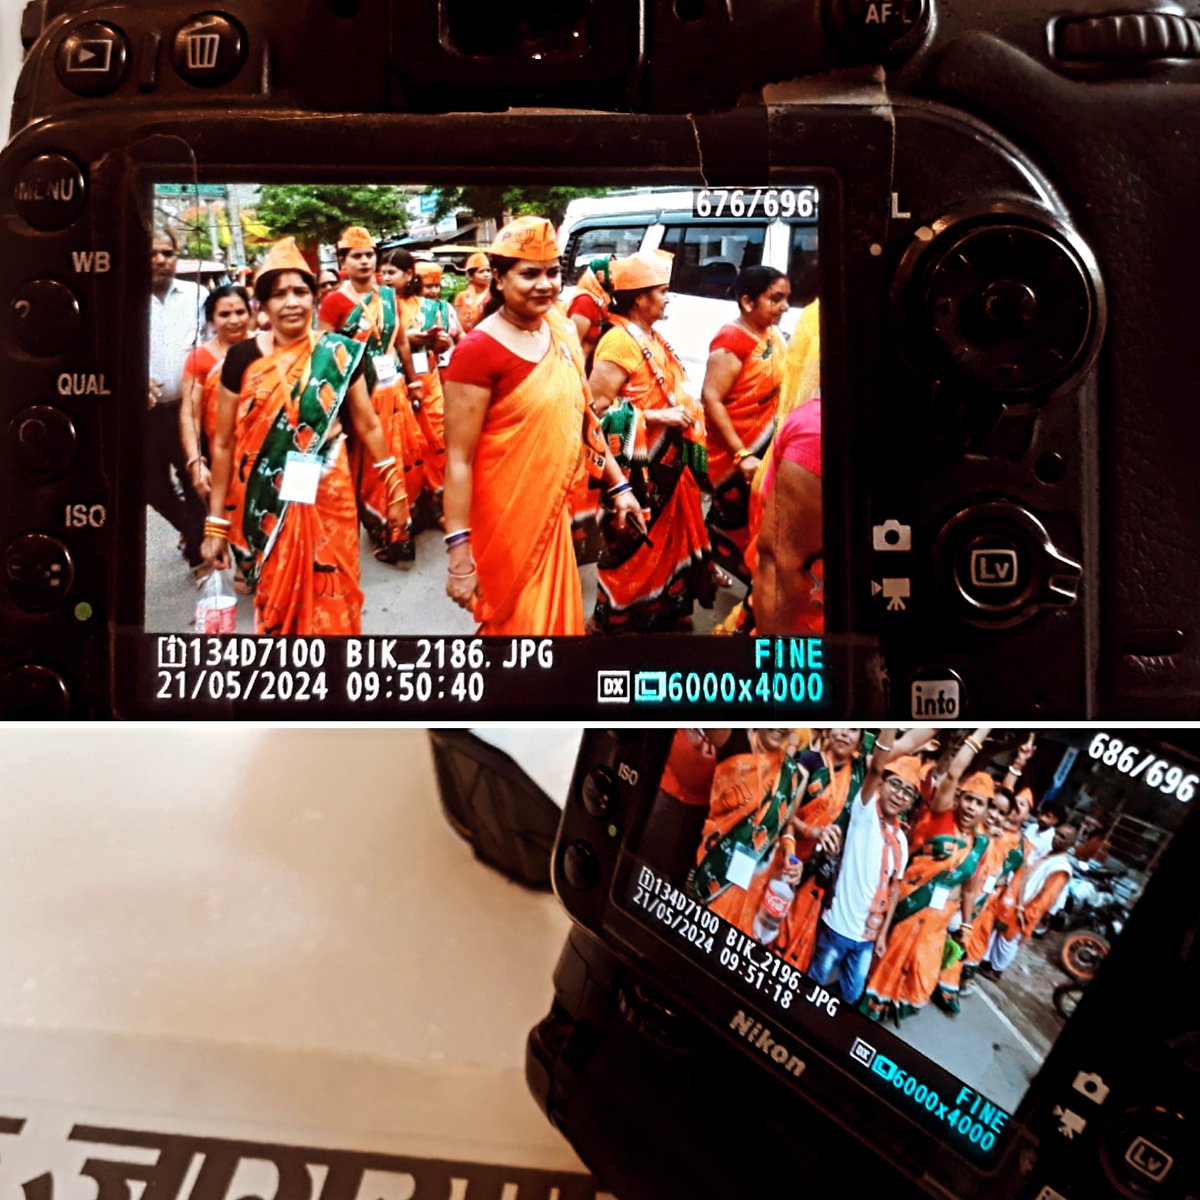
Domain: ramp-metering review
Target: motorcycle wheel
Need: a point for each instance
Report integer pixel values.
(1082, 953)
(1066, 999)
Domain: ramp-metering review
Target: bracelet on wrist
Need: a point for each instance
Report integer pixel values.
(619, 489)
(742, 453)
(390, 461)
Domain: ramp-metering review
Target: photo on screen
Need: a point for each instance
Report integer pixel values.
(418, 411)
(927, 907)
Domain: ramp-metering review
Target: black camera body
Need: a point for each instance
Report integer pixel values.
(661, 1037)
(1002, 277)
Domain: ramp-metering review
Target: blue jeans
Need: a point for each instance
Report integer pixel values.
(850, 961)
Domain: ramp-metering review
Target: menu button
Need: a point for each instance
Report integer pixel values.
(50, 192)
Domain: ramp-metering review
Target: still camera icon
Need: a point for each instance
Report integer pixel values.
(891, 535)
(1092, 1086)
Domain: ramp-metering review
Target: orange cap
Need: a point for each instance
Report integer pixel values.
(645, 269)
(979, 784)
(531, 238)
(908, 767)
(283, 256)
(356, 238)
(477, 261)
(428, 270)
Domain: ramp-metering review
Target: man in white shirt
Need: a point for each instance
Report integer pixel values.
(874, 858)
(1039, 832)
(176, 327)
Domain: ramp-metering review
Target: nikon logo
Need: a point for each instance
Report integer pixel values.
(760, 1037)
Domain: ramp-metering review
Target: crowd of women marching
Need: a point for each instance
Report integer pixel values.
(511, 420)
(869, 860)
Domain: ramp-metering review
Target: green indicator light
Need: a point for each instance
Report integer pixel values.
(83, 611)
(612, 831)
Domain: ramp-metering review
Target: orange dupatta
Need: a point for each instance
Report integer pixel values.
(530, 453)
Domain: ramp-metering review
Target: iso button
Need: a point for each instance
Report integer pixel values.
(209, 50)
(46, 318)
(38, 571)
(92, 59)
(50, 192)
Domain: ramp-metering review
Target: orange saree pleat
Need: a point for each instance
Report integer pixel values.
(530, 454)
(309, 582)
(907, 974)
(372, 491)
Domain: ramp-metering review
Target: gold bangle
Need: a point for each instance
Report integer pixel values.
(970, 741)
(742, 453)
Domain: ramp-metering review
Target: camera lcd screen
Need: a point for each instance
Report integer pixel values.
(366, 445)
(929, 927)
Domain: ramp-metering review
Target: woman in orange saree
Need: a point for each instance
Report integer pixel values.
(740, 393)
(741, 848)
(279, 461)
(519, 433)
(905, 976)
(650, 581)
(227, 310)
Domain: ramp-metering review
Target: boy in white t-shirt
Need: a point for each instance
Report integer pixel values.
(874, 858)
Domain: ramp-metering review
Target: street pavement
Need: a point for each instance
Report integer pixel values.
(1002, 1036)
(408, 599)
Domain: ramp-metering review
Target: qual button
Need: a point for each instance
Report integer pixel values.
(50, 192)
(92, 59)
(44, 441)
(46, 317)
(209, 50)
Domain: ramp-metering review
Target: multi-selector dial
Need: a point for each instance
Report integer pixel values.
(1001, 300)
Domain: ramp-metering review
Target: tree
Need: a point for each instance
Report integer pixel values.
(499, 203)
(319, 212)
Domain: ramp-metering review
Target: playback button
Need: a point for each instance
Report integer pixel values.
(92, 59)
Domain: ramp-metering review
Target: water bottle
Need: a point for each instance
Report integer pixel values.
(216, 605)
(776, 904)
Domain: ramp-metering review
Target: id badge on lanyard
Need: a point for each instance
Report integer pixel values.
(420, 361)
(301, 472)
(301, 478)
(741, 868)
(385, 368)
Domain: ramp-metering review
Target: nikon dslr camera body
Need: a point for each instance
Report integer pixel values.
(987, 200)
(718, 1019)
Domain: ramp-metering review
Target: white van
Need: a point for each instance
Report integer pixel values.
(709, 252)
